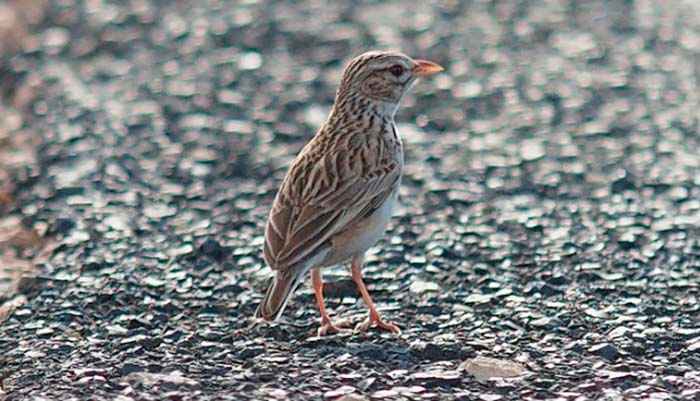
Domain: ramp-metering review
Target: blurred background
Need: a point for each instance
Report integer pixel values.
(549, 209)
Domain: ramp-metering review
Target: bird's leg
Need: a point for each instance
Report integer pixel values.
(327, 327)
(374, 319)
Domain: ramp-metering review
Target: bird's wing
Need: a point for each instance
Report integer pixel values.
(319, 198)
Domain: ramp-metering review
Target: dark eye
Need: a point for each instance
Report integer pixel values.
(396, 70)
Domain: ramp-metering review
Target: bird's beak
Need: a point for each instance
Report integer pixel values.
(426, 68)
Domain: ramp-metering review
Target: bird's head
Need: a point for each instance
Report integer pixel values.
(383, 77)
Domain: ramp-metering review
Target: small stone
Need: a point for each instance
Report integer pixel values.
(384, 394)
(56, 38)
(469, 89)
(250, 61)
(134, 339)
(212, 248)
(158, 211)
(613, 375)
(598, 314)
(693, 344)
(35, 354)
(532, 150)
(45, 331)
(541, 322)
(419, 286)
(182, 250)
(76, 237)
(63, 225)
(483, 368)
(438, 377)
(352, 397)
(315, 115)
(396, 374)
(620, 331)
(340, 391)
(114, 330)
(278, 394)
(433, 351)
(130, 367)
(153, 282)
(478, 299)
(605, 350)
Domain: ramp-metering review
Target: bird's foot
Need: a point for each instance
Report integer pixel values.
(376, 321)
(328, 327)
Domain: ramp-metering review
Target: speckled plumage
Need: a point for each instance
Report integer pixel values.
(339, 192)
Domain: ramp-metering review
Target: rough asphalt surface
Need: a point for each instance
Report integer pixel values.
(550, 216)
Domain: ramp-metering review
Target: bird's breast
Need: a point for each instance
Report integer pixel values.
(396, 144)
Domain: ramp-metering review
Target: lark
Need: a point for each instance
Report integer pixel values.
(340, 191)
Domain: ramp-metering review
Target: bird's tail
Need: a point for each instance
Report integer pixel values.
(277, 295)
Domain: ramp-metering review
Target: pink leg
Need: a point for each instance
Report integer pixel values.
(327, 327)
(374, 319)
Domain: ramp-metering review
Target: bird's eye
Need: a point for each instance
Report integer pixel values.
(396, 70)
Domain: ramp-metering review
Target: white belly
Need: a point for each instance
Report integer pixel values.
(357, 239)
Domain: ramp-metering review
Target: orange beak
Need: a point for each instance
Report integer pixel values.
(426, 68)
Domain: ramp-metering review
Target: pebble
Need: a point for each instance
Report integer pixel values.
(420, 287)
(605, 350)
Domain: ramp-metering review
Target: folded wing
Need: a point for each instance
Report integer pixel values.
(318, 199)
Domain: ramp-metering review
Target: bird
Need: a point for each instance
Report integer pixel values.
(341, 189)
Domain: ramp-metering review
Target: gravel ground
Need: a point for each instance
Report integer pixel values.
(550, 207)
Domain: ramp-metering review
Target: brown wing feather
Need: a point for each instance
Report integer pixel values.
(307, 212)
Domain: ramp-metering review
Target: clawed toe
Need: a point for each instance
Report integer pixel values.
(329, 327)
(378, 323)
